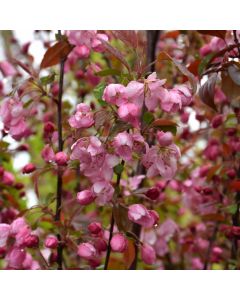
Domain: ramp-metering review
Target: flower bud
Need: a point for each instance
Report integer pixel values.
(118, 243)
(85, 197)
(95, 227)
(100, 244)
(231, 173)
(148, 254)
(87, 251)
(217, 121)
(61, 158)
(51, 242)
(8, 178)
(31, 241)
(164, 138)
(29, 168)
(153, 193)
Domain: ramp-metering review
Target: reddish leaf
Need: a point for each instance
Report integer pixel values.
(163, 122)
(165, 56)
(129, 254)
(120, 213)
(207, 91)
(116, 53)
(235, 185)
(56, 53)
(219, 33)
(213, 217)
(171, 34)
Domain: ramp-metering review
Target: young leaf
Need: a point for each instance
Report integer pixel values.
(56, 53)
(219, 33)
(207, 91)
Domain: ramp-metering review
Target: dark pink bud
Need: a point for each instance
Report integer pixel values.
(61, 158)
(19, 186)
(153, 193)
(29, 168)
(231, 173)
(51, 242)
(31, 241)
(49, 127)
(118, 243)
(100, 244)
(23, 147)
(207, 191)
(217, 121)
(95, 227)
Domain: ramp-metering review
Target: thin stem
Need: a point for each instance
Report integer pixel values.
(60, 148)
(112, 222)
(211, 242)
(152, 37)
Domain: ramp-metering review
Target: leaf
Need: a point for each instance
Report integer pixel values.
(98, 91)
(148, 117)
(234, 73)
(24, 67)
(235, 185)
(204, 63)
(129, 37)
(119, 126)
(165, 56)
(107, 72)
(213, 217)
(101, 117)
(207, 91)
(165, 125)
(120, 214)
(48, 79)
(171, 34)
(118, 169)
(230, 89)
(116, 53)
(219, 33)
(212, 171)
(129, 254)
(56, 53)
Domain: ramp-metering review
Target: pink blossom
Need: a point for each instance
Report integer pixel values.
(83, 118)
(15, 258)
(85, 197)
(95, 227)
(175, 99)
(197, 264)
(61, 158)
(87, 251)
(161, 161)
(51, 242)
(103, 191)
(123, 145)
(97, 44)
(8, 178)
(48, 153)
(7, 69)
(130, 113)
(81, 52)
(118, 243)
(4, 234)
(115, 94)
(81, 37)
(29, 168)
(164, 138)
(148, 254)
(167, 229)
(138, 213)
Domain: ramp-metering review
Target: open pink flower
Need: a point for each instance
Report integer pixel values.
(115, 94)
(130, 113)
(138, 213)
(123, 145)
(161, 161)
(7, 69)
(83, 118)
(103, 191)
(4, 234)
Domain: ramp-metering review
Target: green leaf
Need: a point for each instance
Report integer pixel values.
(148, 117)
(98, 93)
(118, 169)
(48, 79)
(107, 72)
(204, 62)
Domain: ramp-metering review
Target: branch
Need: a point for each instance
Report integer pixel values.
(60, 148)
